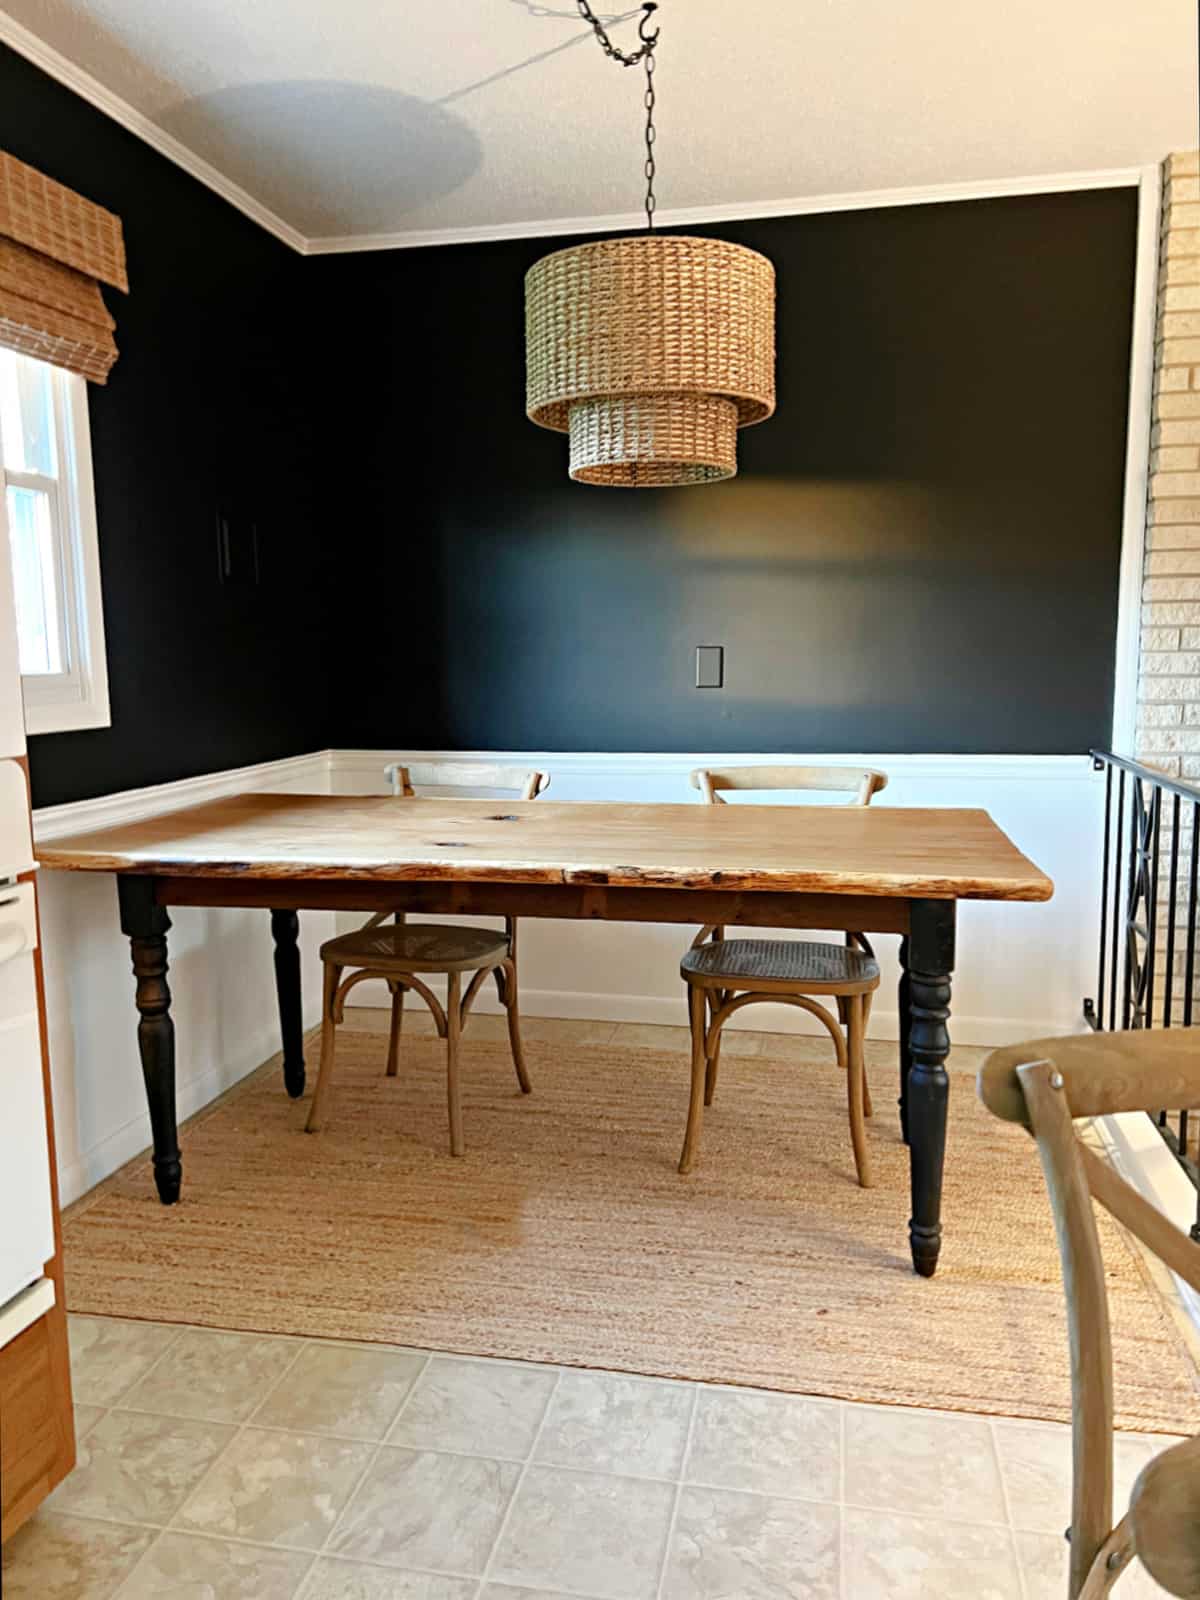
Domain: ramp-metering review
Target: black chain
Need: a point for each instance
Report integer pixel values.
(630, 59)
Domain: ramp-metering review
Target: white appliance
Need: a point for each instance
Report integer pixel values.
(26, 1213)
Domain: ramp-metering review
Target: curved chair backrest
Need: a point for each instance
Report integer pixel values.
(860, 782)
(473, 775)
(1043, 1086)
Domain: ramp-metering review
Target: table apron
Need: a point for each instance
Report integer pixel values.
(857, 913)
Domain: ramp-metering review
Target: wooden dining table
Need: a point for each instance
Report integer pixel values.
(878, 869)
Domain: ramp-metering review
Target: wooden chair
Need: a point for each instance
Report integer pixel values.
(404, 954)
(723, 975)
(1043, 1086)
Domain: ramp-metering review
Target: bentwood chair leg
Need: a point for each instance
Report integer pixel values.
(868, 1108)
(857, 1077)
(508, 994)
(714, 1059)
(453, 1034)
(393, 1058)
(696, 1009)
(316, 1112)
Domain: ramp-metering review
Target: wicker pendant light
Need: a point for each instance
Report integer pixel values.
(652, 351)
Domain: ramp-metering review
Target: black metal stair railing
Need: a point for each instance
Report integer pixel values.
(1146, 977)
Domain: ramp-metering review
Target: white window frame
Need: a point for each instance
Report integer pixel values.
(63, 702)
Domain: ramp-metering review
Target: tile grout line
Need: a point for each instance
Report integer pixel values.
(195, 1533)
(908, 1515)
(103, 1410)
(388, 1442)
(362, 1477)
(1004, 1495)
(664, 1565)
(177, 1335)
(486, 1575)
(352, 1563)
(258, 1544)
(186, 1533)
(317, 1344)
(159, 1528)
(841, 1500)
(239, 1429)
(476, 1455)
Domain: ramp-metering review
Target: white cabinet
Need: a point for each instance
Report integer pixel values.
(16, 841)
(26, 1205)
(12, 712)
(26, 1209)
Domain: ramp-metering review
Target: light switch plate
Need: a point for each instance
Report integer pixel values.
(710, 666)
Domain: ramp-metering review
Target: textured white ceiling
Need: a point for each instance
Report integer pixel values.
(353, 117)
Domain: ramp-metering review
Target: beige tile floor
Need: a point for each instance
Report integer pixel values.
(222, 1465)
(226, 1466)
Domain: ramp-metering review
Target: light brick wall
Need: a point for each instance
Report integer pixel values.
(1168, 699)
(1168, 714)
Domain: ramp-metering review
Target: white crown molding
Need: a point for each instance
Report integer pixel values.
(27, 44)
(738, 211)
(51, 61)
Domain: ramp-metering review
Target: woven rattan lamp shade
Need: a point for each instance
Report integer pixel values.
(650, 352)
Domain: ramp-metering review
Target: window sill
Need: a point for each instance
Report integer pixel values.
(65, 716)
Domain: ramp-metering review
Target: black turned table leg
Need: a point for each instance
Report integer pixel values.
(905, 1030)
(928, 954)
(285, 929)
(146, 925)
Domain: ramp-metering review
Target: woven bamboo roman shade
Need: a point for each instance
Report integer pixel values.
(56, 249)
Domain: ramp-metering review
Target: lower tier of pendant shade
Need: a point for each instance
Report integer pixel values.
(654, 440)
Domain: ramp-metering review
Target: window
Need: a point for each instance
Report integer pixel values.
(48, 513)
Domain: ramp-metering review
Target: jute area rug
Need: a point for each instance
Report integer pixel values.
(566, 1235)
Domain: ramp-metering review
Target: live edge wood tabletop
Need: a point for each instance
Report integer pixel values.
(885, 869)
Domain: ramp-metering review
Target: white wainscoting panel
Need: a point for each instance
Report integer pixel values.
(221, 976)
(1023, 970)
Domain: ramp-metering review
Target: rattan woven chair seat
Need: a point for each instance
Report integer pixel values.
(802, 965)
(417, 947)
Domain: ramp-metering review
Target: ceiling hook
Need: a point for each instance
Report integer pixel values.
(648, 10)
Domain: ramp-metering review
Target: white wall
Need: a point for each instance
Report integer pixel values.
(221, 976)
(1023, 970)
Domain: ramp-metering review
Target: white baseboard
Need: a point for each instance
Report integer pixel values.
(671, 1010)
(130, 1140)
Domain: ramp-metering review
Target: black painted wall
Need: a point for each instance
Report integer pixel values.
(920, 552)
(205, 409)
